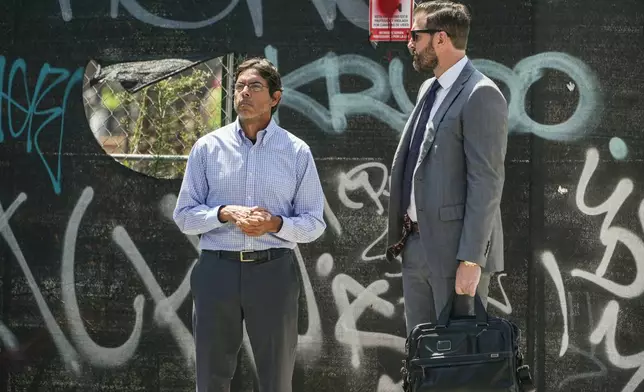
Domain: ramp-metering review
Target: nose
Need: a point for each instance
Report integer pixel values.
(410, 43)
(245, 91)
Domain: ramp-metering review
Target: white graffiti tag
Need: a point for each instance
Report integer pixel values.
(383, 84)
(353, 10)
(609, 235)
(345, 329)
(69, 354)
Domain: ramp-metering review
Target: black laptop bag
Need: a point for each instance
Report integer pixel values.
(470, 353)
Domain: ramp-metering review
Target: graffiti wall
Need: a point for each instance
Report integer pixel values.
(94, 288)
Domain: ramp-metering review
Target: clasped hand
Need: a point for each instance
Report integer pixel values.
(252, 221)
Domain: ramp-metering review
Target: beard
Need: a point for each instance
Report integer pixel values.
(425, 61)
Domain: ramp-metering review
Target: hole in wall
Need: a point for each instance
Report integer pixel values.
(148, 114)
(552, 99)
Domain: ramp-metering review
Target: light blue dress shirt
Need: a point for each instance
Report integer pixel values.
(277, 173)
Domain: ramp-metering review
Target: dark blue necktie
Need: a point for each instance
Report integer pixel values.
(414, 149)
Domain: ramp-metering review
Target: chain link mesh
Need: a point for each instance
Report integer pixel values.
(147, 115)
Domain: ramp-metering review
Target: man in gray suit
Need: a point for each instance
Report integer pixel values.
(448, 172)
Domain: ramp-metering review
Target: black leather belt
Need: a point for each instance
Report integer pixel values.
(249, 256)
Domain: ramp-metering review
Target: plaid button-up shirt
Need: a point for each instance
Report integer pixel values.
(277, 173)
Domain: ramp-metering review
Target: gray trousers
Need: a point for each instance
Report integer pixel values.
(263, 294)
(426, 294)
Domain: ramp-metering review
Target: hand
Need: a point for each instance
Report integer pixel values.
(259, 222)
(233, 213)
(467, 278)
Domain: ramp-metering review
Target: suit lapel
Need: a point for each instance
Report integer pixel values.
(414, 116)
(458, 85)
(405, 139)
(398, 165)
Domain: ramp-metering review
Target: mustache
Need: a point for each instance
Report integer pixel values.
(416, 54)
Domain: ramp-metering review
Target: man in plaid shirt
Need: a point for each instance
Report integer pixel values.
(252, 191)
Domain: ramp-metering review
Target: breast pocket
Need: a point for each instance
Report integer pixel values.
(277, 182)
(225, 178)
(443, 136)
(449, 125)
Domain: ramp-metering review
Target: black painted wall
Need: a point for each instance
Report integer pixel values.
(91, 267)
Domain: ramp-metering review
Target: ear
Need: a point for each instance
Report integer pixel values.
(277, 96)
(445, 39)
(442, 37)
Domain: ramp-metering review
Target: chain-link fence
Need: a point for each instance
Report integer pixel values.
(147, 115)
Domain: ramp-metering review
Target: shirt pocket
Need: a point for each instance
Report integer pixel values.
(277, 182)
(451, 126)
(226, 179)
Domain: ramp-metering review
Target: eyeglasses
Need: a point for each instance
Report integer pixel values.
(254, 87)
(414, 33)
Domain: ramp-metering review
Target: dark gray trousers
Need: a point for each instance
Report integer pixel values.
(263, 294)
(426, 294)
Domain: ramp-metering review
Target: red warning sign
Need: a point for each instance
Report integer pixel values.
(390, 20)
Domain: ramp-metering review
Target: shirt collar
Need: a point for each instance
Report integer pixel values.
(262, 136)
(448, 78)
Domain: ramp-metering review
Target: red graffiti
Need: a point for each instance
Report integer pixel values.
(388, 8)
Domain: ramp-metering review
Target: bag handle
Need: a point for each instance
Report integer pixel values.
(479, 310)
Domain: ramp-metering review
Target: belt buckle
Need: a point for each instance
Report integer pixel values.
(241, 256)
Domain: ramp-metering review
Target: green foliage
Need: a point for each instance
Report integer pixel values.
(109, 99)
(169, 118)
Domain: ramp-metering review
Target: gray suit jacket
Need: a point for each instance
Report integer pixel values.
(459, 177)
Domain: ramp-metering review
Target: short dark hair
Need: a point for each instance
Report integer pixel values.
(454, 18)
(266, 70)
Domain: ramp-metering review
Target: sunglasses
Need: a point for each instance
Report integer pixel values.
(414, 33)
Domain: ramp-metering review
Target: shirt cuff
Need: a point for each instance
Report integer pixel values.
(212, 218)
(286, 231)
(217, 209)
(203, 221)
(281, 223)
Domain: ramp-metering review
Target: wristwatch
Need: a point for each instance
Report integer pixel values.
(469, 263)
